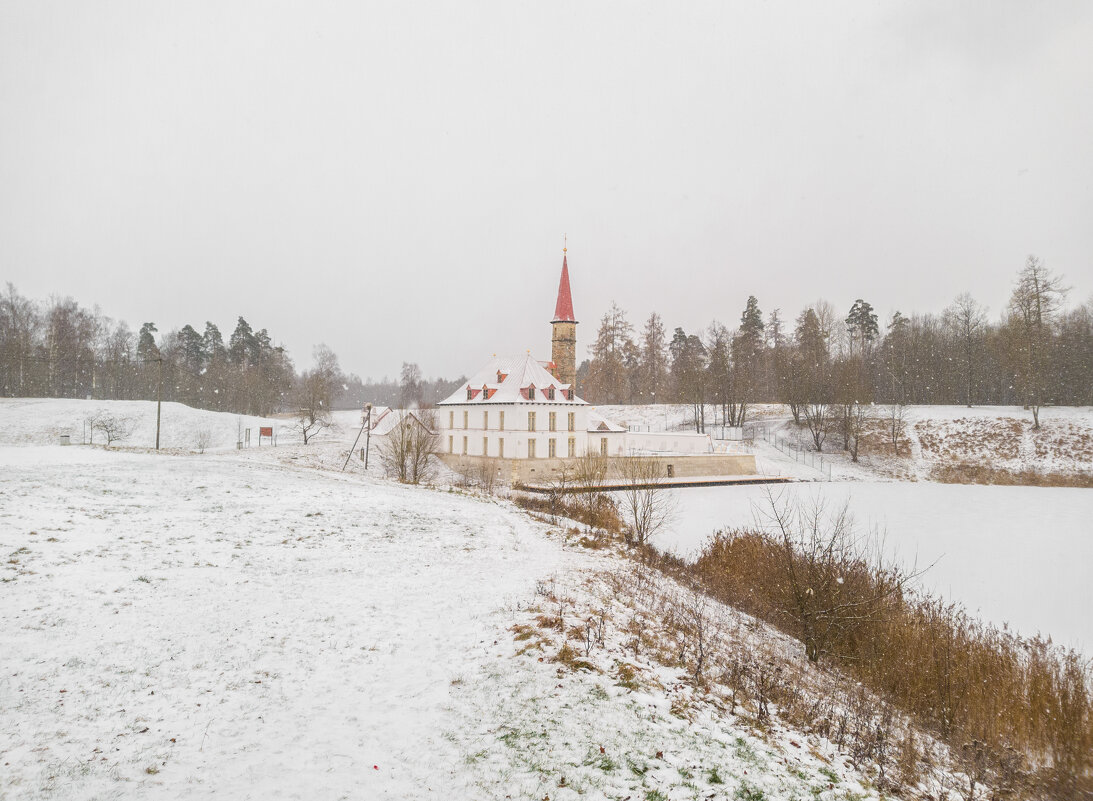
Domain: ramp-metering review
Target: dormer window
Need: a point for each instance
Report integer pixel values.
(485, 393)
(470, 394)
(531, 392)
(550, 393)
(501, 377)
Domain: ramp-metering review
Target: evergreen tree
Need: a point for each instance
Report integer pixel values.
(191, 349)
(212, 345)
(147, 350)
(654, 360)
(861, 325)
(241, 343)
(607, 375)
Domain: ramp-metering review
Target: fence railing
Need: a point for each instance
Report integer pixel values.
(793, 450)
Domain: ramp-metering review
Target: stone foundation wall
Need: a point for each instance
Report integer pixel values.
(545, 471)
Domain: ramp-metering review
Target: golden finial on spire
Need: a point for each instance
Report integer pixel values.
(565, 242)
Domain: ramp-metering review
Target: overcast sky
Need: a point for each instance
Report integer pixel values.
(395, 179)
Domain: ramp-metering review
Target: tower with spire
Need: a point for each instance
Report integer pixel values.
(563, 342)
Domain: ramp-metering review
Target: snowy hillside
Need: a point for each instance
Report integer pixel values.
(41, 421)
(937, 441)
(258, 624)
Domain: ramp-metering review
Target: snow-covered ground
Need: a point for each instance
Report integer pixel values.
(1013, 554)
(258, 624)
(41, 421)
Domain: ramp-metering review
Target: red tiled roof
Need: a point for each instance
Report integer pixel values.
(563, 309)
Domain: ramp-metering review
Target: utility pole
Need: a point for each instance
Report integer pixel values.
(368, 437)
(159, 400)
(366, 425)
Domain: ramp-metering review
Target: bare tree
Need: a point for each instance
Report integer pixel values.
(311, 422)
(857, 422)
(113, 428)
(897, 424)
(818, 419)
(407, 451)
(647, 502)
(1033, 307)
(589, 472)
(966, 319)
(315, 391)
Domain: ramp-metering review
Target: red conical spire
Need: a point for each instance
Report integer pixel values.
(563, 309)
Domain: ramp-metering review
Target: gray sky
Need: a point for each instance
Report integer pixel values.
(394, 179)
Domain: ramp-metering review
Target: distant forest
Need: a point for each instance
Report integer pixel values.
(1036, 352)
(60, 349)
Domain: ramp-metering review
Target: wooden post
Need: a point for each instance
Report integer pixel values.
(367, 437)
(159, 400)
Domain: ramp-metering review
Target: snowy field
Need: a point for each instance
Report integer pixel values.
(1020, 555)
(257, 624)
(41, 421)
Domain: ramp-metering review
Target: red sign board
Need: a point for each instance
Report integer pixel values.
(265, 431)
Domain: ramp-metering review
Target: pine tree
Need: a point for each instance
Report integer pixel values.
(654, 360)
(861, 325)
(212, 344)
(147, 350)
(241, 343)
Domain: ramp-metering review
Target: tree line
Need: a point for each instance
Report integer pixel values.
(1036, 352)
(61, 349)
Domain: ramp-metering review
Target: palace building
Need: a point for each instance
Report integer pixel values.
(526, 418)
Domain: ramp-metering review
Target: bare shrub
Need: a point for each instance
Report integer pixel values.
(974, 473)
(603, 515)
(113, 428)
(407, 452)
(203, 438)
(999, 702)
(647, 503)
(486, 474)
(589, 472)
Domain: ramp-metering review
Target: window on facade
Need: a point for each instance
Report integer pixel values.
(603, 446)
(451, 444)
(501, 447)
(464, 446)
(531, 449)
(572, 421)
(486, 421)
(572, 447)
(551, 448)
(465, 413)
(531, 421)
(451, 419)
(485, 446)
(500, 421)
(553, 421)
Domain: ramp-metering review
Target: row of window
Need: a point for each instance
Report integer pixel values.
(528, 392)
(552, 420)
(552, 447)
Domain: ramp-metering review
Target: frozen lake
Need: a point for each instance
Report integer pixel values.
(1016, 555)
